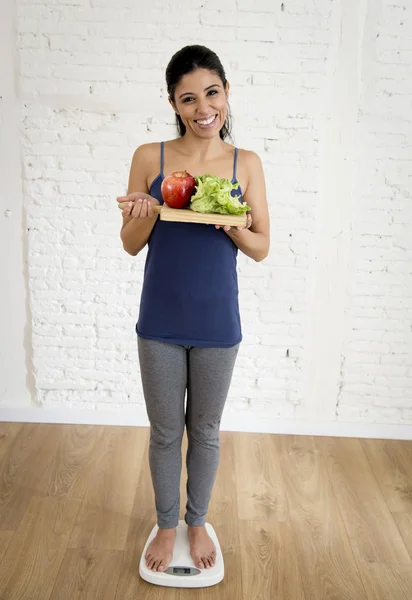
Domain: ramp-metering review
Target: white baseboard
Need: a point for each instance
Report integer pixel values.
(231, 421)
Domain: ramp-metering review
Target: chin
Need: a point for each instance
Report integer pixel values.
(208, 134)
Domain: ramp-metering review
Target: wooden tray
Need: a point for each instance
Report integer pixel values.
(185, 215)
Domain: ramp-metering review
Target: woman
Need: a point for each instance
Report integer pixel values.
(189, 328)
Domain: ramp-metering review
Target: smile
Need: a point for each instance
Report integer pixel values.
(209, 122)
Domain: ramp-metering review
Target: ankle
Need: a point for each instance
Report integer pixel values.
(167, 531)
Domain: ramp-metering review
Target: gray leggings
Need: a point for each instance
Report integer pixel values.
(168, 371)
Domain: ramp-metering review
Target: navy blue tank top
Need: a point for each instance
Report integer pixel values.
(190, 287)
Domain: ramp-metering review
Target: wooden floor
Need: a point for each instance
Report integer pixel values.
(299, 518)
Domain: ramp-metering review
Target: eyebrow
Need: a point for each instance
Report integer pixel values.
(192, 94)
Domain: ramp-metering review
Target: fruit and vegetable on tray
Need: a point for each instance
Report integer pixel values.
(203, 199)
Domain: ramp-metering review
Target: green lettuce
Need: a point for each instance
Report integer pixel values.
(213, 195)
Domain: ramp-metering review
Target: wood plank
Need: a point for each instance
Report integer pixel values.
(104, 518)
(368, 521)
(87, 574)
(185, 215)
(5, 539)
(391, 462)
(323, 551)
(222, 514)
(73, 461)
(270, 567)
(8, 433)
(387, 582)
(33, 558)
(404, 524)
(22, 468)
(260, 486)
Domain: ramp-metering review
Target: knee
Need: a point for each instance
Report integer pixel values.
(205, 433)
(165, 437)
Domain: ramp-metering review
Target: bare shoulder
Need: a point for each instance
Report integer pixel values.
(145, 166)
(146, 152)
(252, 167)
(249, 158)
(146, 159)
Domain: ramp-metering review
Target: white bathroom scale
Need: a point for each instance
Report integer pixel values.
(181, 572)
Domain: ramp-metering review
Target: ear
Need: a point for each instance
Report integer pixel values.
(172, 104)
(227, 88)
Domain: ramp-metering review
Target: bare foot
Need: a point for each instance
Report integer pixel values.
(160, 550)
(202, 548)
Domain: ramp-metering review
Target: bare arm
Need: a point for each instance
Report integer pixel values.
(138, 218)
(254, 242)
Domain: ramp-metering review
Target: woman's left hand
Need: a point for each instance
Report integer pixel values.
(237, 228)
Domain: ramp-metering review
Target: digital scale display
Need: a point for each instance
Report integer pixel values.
(182, 570)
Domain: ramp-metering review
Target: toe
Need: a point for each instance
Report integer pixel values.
(155, 565)
(161, 567)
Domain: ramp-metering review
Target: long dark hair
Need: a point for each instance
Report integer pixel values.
(185, 61)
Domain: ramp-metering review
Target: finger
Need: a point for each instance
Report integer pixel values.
(143, 212)
(226, 227)
(132, 197)
(129, 198)
(127, 210)
(137, 209)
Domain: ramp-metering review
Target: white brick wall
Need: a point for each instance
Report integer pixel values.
(377, 351)
(321, 90)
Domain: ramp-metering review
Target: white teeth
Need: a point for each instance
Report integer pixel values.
(207, 122)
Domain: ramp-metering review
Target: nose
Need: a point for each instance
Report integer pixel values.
(203, 106)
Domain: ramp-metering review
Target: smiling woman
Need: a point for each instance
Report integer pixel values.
(206, 63)
(189, 327)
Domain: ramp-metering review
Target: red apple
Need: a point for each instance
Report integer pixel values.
(177, 189)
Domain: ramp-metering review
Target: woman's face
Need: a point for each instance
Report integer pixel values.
(201, 101)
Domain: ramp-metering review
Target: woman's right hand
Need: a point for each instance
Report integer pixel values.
(139, 205)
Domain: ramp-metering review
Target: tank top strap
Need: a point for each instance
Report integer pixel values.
(162, 158)
(235, 164)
